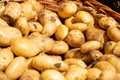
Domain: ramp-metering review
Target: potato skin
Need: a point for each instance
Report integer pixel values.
(30, 74)
(48, 75)
(75, 38)
(3, 76)
(24, 47)
(16, 68)
(7, 34)
(6, 57)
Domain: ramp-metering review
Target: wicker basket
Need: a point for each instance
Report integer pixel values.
(99, 7)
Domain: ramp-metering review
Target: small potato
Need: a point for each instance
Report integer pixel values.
(22, 25)
(7, 34)
(105, 66)
(116, 49)
(106, 22)
(67, 9)
(24, 47)
(48, 29)
(3, 23)
(90, 45)
(60, 47)
(73, 53)
(30, 74)
(113, 34)
(12, 12)
(51, 74)
(6, 56)
(75, 38)
(16, 68)
(43, 42)
(47, 16)
(85, 17)
(72, 25)
(28, 11)
(35, 26)
(76, 72)
(61, 32)
(43, 62)
(108, 75)
(73, 61)
(93, 73)
(3, 76)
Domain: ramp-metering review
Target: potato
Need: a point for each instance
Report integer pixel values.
(30, 74)
(43, 42)
(85, 17)
(22, 25)
(6, 56)
(35, 26)
(61, 32)
(108, 49)
(67, 9)
(106, 22)
(72, 25)
(3, 76)
(73, 53)
(76, 73)
(47, 16)
(75, 38)
(12, 12)
(93, 73)
(60, 47)
(28, 62)
(108, 75)
(94, 33)
(16, 68)
(90, 45)
(105, 66)
(73, 61)
(48, 29)
(48, 75)
(28, 11)
(7, 34)
(112, 59)
(24, 47)
(116, 50)
(113, 33)
(43, 62)
(3, 23)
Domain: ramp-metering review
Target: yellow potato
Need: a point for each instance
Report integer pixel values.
(16, 68)
(116, 49)
(51, 74)
(28, 62)
(75, 38)
(90, 45)
(93, 73)
(60, 47)
(24, 47)
(22, 25)
(3, 23)
(43, 62)
(7, 34)
(6, 56)
(30, 74)
(12, 12)
(67, 9)
(61, 32)
(73, 61)
(2, 8)
(76, 72)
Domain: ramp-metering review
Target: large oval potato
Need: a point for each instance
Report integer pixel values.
(7, 34)
(6, 57)
(16, 68)
(24, 47)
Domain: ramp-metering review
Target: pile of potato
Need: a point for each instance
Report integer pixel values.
(74, 43)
